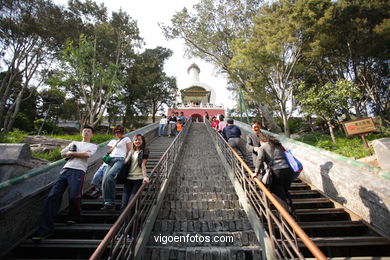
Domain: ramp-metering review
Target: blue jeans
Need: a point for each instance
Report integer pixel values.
(109, 181)
(98, 176)
(161, 129)
(74, 180)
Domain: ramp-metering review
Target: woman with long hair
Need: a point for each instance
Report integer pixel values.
(136, 162)
(271, 153)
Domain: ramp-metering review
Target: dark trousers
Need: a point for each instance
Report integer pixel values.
(130, 188)
(281, 182)
(74, 180)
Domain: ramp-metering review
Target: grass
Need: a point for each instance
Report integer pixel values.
(17, 136)
(352, 147)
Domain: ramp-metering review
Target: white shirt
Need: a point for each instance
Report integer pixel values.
(120, 149)
(135, 171)
(163, 121)
(79, 163)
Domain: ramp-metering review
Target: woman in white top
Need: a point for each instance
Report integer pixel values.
(136, 163)
(117, 153)
(163, 123)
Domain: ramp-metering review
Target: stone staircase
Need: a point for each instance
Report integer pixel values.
(201, 209)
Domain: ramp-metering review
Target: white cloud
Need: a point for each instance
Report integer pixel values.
(148, 13)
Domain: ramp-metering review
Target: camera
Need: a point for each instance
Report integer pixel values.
(73, 148)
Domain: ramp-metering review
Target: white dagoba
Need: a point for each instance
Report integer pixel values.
(194, 71)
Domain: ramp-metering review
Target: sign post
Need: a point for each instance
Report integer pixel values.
(360, 127)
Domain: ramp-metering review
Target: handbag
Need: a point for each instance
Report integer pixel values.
(107, 158)
(295, 165)
(266, 176)
(121, 176)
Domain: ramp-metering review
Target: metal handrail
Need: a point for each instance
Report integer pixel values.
(286, 244)
(45, 168)
(122, 244)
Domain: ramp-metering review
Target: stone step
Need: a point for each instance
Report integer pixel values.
(164, 225)
(195, 214)
(203, 205)
(200, 196)
(195, 188)
(204, 239)
(206, 253)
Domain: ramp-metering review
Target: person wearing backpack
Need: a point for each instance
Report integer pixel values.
(271, 154)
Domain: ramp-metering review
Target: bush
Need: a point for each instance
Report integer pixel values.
(16, 136)
(23, 123)
(48, 127)
(52, 155)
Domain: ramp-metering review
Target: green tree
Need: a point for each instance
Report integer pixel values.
(159, 88)
(282, 32)
(28, 40)
(84, 77)
(327, 101)
(352, 42)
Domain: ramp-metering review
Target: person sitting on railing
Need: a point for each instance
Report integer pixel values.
(183, 118)
(232, 135)
(221, 124)
(135, 166)
(172, 125)
(117, 153)
(71, 176)
(179, 126)
(252, 140)
(271, 153)
(96, 183)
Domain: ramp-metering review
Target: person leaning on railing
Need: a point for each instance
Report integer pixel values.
(232, 135)
(271, 153)
(117, 153)
(71, 177)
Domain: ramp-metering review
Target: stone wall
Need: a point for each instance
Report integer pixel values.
(362, 189)
(21, 204)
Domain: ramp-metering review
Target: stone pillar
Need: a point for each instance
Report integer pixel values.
(14, 160)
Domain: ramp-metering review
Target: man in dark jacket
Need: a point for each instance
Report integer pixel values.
(252, 140)
(232, 135)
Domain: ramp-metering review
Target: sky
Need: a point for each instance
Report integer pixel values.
(148, 13)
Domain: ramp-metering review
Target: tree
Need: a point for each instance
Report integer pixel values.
(281, 33)
(352, 42)
(210, 32)
(28, 39)
(84, 77)
(328, 101)
(150, 86)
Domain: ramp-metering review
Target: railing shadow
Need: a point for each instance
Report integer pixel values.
(122, 240)
(286, 236)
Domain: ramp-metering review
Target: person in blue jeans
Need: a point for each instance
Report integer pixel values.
(97, 178)
(118, 153)
(163, 124)
(71, 177)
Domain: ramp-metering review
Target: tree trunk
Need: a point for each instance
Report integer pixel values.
(285, 124)
(272, 126)
(331, 131)
(154, 112)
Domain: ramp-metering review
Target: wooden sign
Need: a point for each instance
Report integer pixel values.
(359, 127)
